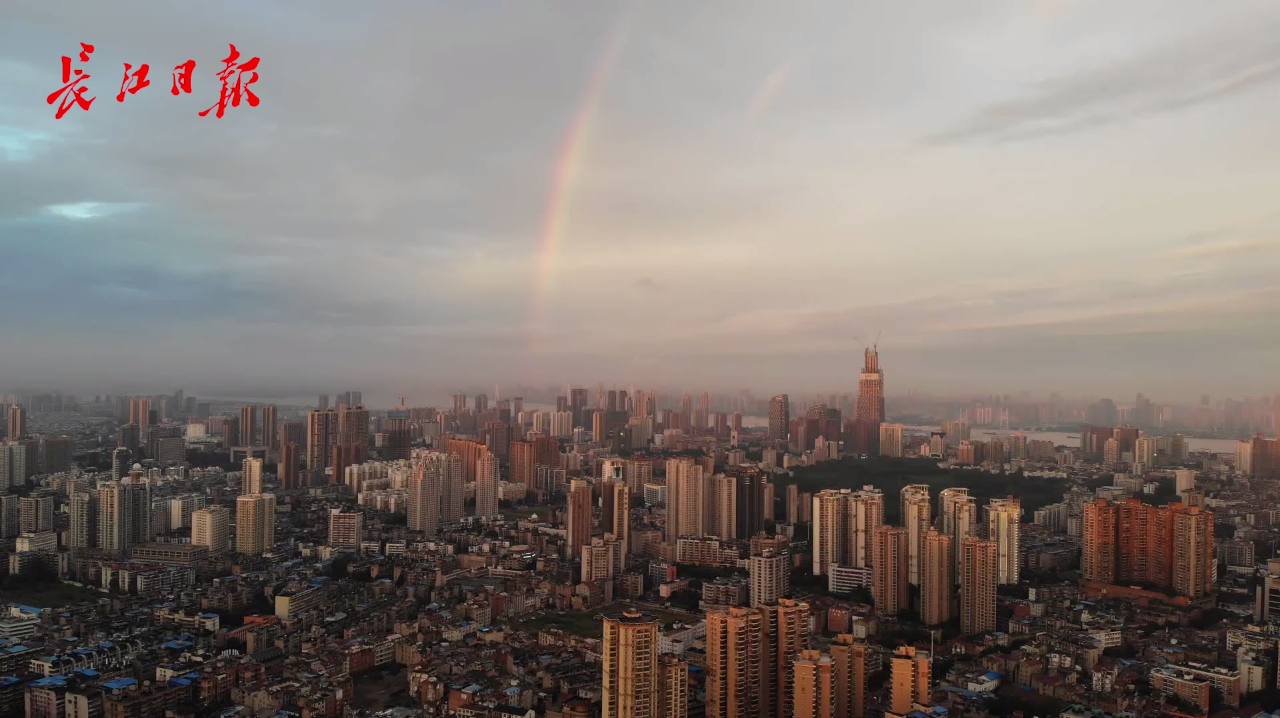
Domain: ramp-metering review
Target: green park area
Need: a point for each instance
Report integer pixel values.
(46, 595)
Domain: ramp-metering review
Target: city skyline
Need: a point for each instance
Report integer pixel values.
(477, 190)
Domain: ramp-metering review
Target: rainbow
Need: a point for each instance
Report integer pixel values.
(565, 171)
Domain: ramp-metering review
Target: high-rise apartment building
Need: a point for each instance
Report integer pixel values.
(248, 426)
(425, 489)
(844, 526)
(615, 515)
(748, 497)
(779, 418)
(289, 468)
(889, 584)
(10, 515)
(673, 687)
(602, 559)
(850, 658)
(686, 491)
(578, 522)
(916, 515)
(1144, 544)
(35, 514)
(346, 529)
(140, 413)
(322, 436)
(83, 510)
(255, 523)
(124, 515)
(211, 528)
(1194, 557)
(978, 569)
(17, 422)
(736, 662)
(958, 514)
(1004, 527)
(770, 577)
(487, 478)
(786, 632)
(522, 461)
(937, 579)
(813, 677)
(910, 681)
(55, 454)
(269, 433)
(720, 504)
(251, 476)
(629, 688)
(1099, 537)
(891, 440)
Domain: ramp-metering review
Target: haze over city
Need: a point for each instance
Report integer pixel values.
(1048, 196)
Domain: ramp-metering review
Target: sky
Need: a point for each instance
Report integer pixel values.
(1048, 195)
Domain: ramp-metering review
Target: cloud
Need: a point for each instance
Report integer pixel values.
(1205, 67)
(374, 222)
(90, 210)
(1219, 249)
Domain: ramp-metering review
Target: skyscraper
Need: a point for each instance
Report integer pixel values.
(1004, 528)
(17, 427)
(270, 437)
(1194, 557)
(686, 490)
(487, 478)
(891, 440)
(140, 413)
(322, 436)
(1098, 554)
(35, 514)
(255, 523)
(916, 510)
(629, 688)
(616, 513)
(289, 468)
(813, 675)
(735, 663)
(958, 512)
(845, 522)
(910, 681)
(124, 515)
(83, 512)
(248, 425)
(579, 517)
(889, 584)
(786, 633)
(850, 657)
(673, 688)
(211, 528)
(978, 566)
(251, 476)
(779, 418)
(869, 412)
(522, 462)
(770, 575)
(721, 507)
(937, 581)
(425, 490)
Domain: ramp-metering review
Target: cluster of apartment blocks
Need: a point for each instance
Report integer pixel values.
(853, 546)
